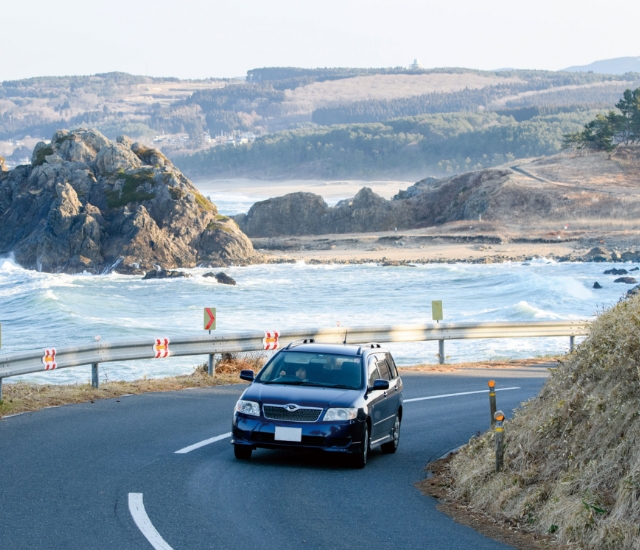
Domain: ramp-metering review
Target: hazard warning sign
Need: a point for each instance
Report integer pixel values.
(49, 359)
(270, 340)
(161, 348)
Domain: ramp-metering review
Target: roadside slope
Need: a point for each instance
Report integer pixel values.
(572, 460)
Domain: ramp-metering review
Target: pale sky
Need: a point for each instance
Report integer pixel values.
(225, 38)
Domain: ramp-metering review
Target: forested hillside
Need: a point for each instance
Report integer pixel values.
(410, 146)
(331, 122)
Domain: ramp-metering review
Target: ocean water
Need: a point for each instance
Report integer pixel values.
(40, 310)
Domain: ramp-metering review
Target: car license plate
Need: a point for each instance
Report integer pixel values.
(288, 434)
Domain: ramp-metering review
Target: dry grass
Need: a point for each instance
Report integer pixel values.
(383, 86)
(22, 397)
(572, 460)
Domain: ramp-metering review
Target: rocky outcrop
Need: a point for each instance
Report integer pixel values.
(164, 274)
(497, 194)
(615, 271)
(222, 278)
(626, 280)
(89, 204)
(427, 203)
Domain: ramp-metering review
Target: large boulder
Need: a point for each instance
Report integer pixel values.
(89, 204)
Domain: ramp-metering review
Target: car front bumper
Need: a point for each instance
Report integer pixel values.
(259, 432)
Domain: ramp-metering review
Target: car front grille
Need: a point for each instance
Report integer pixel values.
(276, 412)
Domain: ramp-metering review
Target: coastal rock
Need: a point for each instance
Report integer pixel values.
(626, 280)
(616, 272)
(163, 274)
(88, 204)
(224, 279)
(597, 254)
(633, 291)
(635, 269)
(630, 256)
(597, 285)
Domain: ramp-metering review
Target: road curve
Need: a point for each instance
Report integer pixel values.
(67, 475)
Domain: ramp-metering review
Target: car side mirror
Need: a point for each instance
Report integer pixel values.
(248, 375)
(380, 384)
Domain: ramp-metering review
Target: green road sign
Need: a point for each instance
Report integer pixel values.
(209, 318)
(436, 310)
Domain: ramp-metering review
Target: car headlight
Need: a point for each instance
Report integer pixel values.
(248, 407)
(341, 414)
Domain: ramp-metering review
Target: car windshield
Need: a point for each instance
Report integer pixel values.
(299, 368)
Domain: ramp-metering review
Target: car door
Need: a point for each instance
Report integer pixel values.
(377, 399)
(389, 407)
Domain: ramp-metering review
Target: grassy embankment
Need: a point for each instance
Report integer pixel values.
(572, 459)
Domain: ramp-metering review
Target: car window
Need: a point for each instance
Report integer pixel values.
(392, 366)
(372, 371)
(383, 368)
(312, 369)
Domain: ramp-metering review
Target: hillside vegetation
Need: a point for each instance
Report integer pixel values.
(572, 460)
(521, 113)
(411, 146)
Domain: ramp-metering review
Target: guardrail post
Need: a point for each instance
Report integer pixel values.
(0, 390)
(212, 365)
(572, 340)
(499, 429)
(492, 400)
(441, 351)
(95, 380)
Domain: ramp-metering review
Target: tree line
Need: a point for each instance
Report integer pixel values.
(607, 131)
(437, 144)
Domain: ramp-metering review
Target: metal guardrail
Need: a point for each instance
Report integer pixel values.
(15, 364)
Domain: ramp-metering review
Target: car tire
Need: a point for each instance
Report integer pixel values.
(359, 459)
(392, 446)
(242, 452)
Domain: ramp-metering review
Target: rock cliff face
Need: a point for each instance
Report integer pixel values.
(429, 202)
(88, 204)
(499, 194)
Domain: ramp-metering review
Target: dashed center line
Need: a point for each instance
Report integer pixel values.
(456, 394)
(195, 446)
(139, 515)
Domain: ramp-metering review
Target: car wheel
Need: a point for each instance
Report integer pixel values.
(392, 446)
(360, 458)
(242, 452)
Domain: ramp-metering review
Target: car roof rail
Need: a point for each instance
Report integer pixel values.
(368, 345)
(300, 342)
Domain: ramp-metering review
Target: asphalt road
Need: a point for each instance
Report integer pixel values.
(66, 475)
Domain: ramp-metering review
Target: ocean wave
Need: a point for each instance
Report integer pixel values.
(526, 310)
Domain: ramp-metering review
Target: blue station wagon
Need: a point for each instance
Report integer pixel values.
(335, 398)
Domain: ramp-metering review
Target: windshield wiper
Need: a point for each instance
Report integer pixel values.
(285, 382)
(341, 387)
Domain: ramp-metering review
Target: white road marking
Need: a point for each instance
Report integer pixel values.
(139, 514)
(227, 435)
(202, 444)
(456, 394)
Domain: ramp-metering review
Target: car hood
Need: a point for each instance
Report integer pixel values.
(303, 396)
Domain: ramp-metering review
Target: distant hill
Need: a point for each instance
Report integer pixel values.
(618, 65)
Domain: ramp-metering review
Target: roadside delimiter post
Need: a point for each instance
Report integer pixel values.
(0, 390)
(441, 351)
(212, 365)
(492, 400)
(95, 380)
(499, 429)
